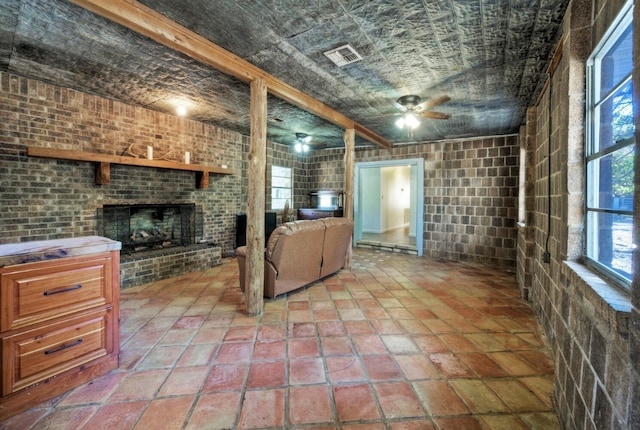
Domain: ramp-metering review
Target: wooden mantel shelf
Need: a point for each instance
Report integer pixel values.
(103, 164)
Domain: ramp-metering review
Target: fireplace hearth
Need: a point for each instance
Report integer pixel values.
(145, 227)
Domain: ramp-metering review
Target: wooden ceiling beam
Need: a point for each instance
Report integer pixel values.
(146, 21)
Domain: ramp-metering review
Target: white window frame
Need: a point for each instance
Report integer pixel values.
(594, 152)
(278, 190)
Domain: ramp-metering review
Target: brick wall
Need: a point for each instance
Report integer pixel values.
(49, 199)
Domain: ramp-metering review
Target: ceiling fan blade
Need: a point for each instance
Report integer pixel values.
(386, 115)
(434, 102)
(434, 115)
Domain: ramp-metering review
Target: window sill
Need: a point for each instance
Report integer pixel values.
(607, 301)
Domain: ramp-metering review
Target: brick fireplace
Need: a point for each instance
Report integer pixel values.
(146, 227)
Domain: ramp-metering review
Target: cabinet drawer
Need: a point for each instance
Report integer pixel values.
(43, 290)
(34, 355)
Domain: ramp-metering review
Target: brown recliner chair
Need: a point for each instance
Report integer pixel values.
(301, 252)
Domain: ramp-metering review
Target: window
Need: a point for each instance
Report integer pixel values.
(280, 187)
(610, 152)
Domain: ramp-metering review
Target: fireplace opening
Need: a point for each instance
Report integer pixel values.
(150, 226)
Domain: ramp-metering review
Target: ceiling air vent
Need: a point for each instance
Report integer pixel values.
(343, 55)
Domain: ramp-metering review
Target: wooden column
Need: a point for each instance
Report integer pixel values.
(257, 158)
(349, 179)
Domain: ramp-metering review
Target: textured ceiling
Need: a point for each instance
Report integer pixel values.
(488, 56)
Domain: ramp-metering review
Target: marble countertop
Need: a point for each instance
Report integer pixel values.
(26, 252)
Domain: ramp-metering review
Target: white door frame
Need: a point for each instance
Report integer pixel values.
(417, 186)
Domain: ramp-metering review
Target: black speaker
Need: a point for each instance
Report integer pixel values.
(241, 227)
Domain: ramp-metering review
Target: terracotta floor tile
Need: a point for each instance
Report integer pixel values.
(184, 380)
(482, 365)
(165, 413)
(369, 344)
(458, 343)
(416, 366)
(302, 329)
(542, 386)
(178, 337)
(264, 408)
(310, 405)
(303, 347)
(140, 385)
(414, 327)
(330, 328)
(450, 365)
(355, 402)
(225, 377)
(272, 331)
(387, 326)
(117, 416)
(381, 368)
(209, 335)
(240, 333)
(234, 352)
(67, 418)
(96, 392)
(541, 421)
(215, 411)
(268, 374)
(466, 423)
(270, 350)
(478, 397)
(517, 396)
(306, 371)
(25, 420)
(336, 346)
(197, 355)
(502, 422)
(398, 400)
(189, 322)
(161, 357)
(326, 315)
(344, 369)
(439, 399)
(424, 424)
(399, 344)
(512, 363)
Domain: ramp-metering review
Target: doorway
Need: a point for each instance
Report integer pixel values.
(388, 204)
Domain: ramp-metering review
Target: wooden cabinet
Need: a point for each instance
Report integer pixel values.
(59, 325)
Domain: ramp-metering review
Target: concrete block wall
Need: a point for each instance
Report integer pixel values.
(470, 194)
(591, 325)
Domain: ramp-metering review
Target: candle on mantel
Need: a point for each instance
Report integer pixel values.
(149, 152)
(187, 157)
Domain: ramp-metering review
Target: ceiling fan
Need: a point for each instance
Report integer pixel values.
(412, 107)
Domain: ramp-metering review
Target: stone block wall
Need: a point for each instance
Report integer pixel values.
(470, 194)
(588, 321)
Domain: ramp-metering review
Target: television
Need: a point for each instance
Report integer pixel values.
(241, 227)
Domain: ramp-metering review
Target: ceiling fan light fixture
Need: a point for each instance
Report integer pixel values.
(303, 137)
(408, 120)
(302, 142)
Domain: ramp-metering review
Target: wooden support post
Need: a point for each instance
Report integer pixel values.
(257, 158)
(349, 179)
(103, 173)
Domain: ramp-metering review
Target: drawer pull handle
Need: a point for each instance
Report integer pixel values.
(63, 346)
(62, 290)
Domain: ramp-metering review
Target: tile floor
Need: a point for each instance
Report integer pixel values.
(396, 342)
